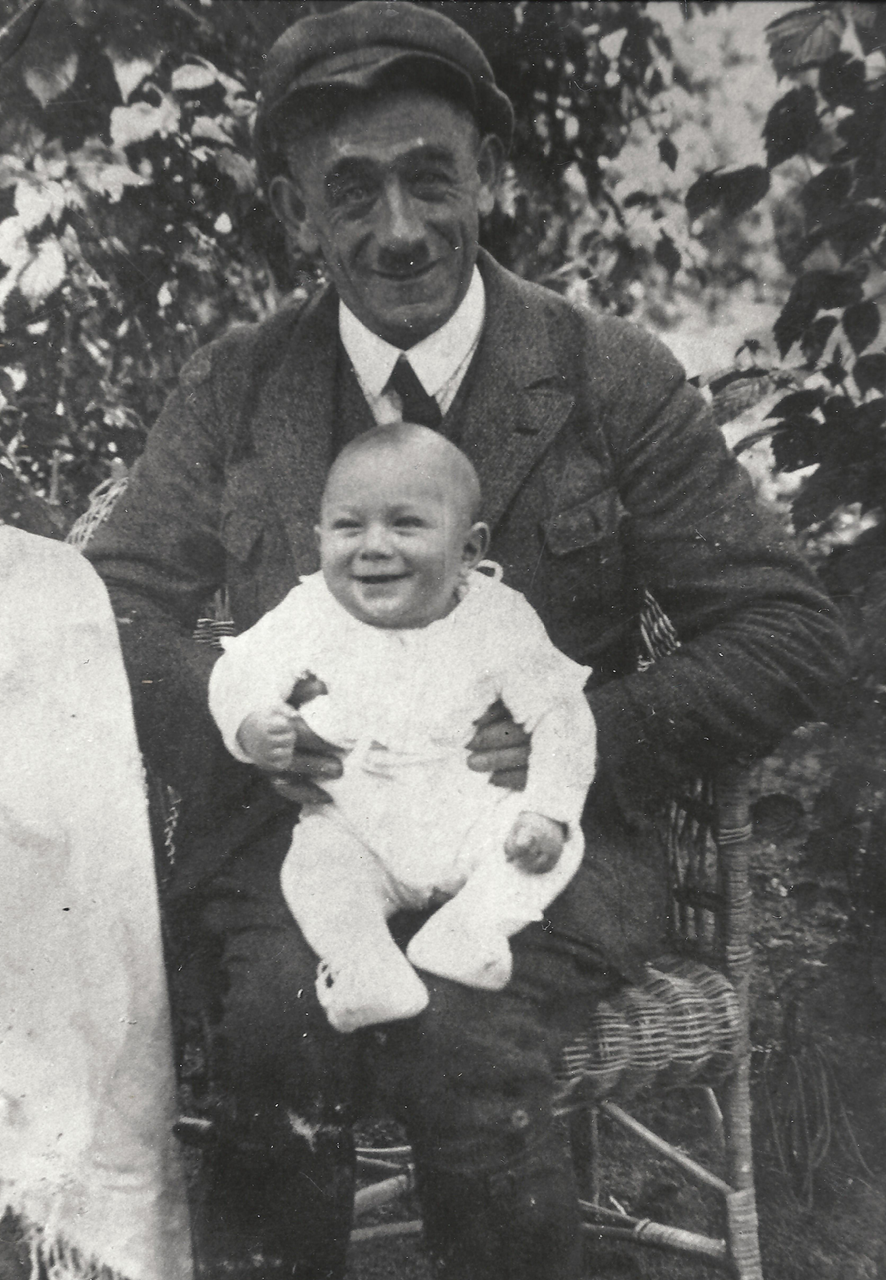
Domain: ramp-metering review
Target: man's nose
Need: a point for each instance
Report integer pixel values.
(401, 222)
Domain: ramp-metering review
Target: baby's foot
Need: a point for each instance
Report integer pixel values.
(450, 947)
(360, 994)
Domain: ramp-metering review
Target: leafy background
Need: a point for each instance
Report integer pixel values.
(718, 172)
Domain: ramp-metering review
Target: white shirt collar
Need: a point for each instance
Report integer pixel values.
(435, 360)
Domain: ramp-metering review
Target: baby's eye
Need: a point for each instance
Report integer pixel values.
(344, 525)
(409, 522)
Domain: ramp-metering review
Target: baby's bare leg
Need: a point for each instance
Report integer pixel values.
(342, 898)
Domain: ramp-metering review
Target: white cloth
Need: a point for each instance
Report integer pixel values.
(402, 705)
(439, 361)
(87, 1157)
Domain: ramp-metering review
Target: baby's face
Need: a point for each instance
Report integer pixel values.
(395, 540)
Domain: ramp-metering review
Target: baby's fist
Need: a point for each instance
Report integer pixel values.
(535, 842)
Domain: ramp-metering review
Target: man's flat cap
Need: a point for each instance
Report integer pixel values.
(365, 46)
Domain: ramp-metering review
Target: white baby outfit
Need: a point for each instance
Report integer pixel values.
(410, 825)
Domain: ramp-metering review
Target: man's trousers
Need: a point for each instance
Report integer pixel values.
(471, 1080)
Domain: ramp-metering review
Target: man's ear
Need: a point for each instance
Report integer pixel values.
(476, 545)
(490, 161)
(289, 207)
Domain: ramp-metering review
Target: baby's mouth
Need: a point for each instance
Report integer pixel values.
(376, 579)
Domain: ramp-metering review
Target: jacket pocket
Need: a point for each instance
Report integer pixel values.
(585, 565)
(591, 523)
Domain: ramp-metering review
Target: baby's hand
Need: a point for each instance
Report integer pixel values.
(268, 736)
(535, 842)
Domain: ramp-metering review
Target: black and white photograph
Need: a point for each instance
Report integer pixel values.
(442, 660)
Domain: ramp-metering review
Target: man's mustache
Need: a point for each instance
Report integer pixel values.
(403, 261)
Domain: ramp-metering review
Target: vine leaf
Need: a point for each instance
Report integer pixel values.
(813, 292)
(814, 339)
(733, 190)
(861, 324)
(804, 38)
(791, 125)
(869, 372)
(668, 152)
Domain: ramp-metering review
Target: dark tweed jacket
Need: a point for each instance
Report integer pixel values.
(602, 473)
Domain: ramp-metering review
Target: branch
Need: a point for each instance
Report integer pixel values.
(16, 31)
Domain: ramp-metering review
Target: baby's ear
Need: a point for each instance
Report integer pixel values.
(317, 534)
(476, 544)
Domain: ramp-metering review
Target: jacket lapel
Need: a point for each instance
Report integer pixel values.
(516, 407)
(292, 424)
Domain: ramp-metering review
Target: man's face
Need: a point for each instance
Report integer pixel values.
(391, 196)
(395, 539)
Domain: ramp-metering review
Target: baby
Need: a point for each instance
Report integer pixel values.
(412, 642)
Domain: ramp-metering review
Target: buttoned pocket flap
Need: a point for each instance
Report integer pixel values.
(586, 524)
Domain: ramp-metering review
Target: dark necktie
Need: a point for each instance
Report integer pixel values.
(416, 404)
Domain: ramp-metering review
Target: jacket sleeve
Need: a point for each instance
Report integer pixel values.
(161, 557)
(762, 647)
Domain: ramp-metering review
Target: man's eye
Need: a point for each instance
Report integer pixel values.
(430, 182)
(349, 194)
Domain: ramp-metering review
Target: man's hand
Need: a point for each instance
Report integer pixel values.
(500, 747)
(535, 843)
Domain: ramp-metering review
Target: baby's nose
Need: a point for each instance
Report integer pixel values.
(376, 543)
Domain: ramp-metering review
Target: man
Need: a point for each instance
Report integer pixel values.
(381, 133)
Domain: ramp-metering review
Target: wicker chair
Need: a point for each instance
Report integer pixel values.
(686, 1026)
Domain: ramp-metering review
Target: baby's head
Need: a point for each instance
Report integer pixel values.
(398, 529)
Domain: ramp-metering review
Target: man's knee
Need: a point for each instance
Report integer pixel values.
(471, 1078)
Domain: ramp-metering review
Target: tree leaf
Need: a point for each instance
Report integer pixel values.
(804, 37)
(813, 292)
(208, 127)
(796, 443)
(130, 72)
(824, 193)
(668, 152)
(871, 415)
(815, 338)
(34, 202)
(667, 254)
(861, 324)
(839, 413)
(49, 82)
(238, 168)
(798, 402)
(193, 77)
(869, 372)
(141, 121)
(841, 80)
(819, 497)
(733, 190)
(43, 275)
(704, 194)
(791, 125)
(14, 251)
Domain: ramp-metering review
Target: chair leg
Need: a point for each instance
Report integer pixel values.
(584, 1143)
(741, 1206)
